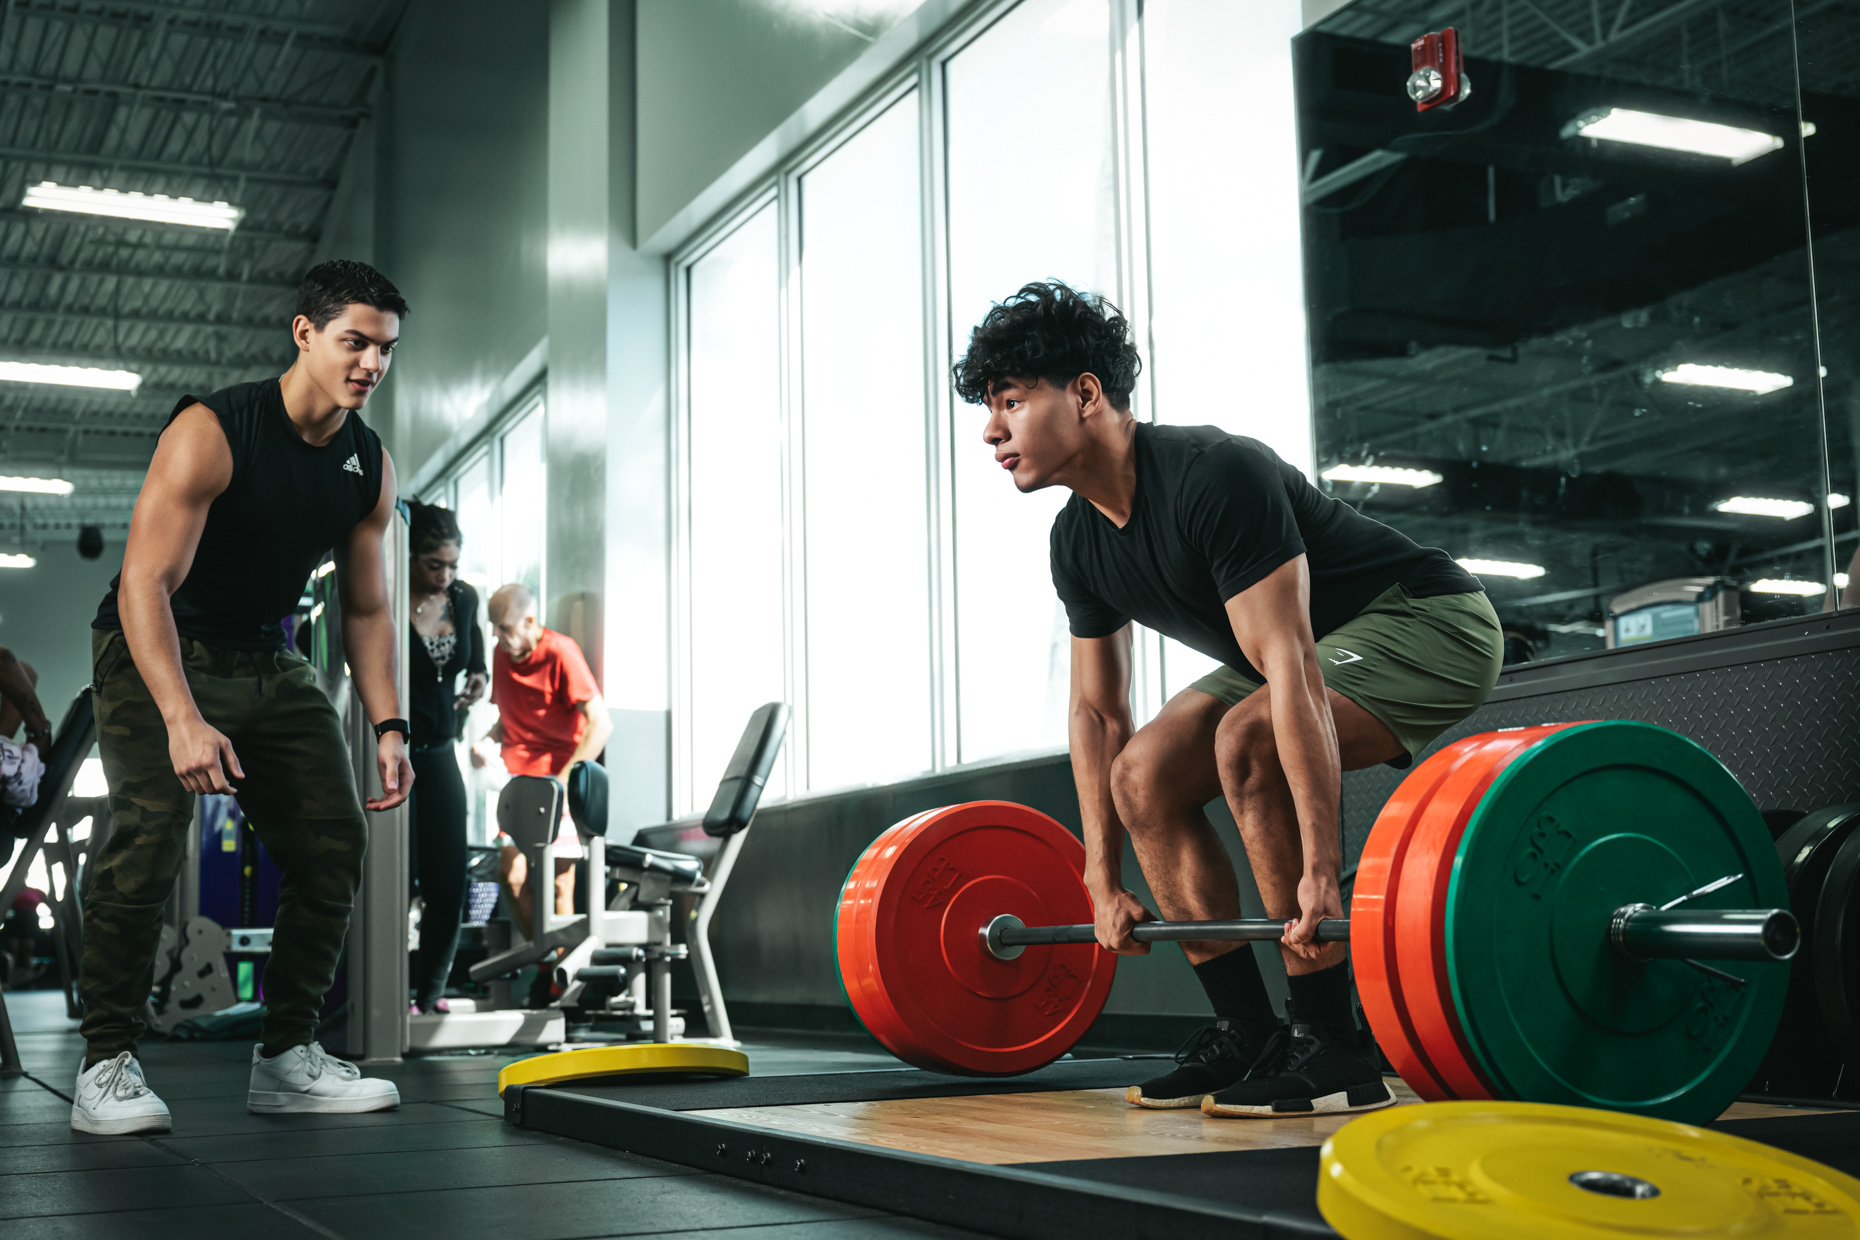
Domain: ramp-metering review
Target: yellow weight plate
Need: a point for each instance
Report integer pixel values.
(633, 1059)
(1524, 1171)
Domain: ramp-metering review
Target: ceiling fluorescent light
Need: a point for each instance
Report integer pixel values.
(1391, 474)
(1676, 133)
(8, 560)
(1837, 500)
(1757, 506)
(154, 208)
(70, 376)
(1770, 585)
(1756, 382)
(1840, 579)
(1502, 568)
(36, 486)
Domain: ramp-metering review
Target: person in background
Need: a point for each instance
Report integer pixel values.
(447, 640)
(19, 701)
(549, 717)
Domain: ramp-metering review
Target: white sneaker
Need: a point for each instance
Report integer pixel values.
(111, 1098)
(309, 1078)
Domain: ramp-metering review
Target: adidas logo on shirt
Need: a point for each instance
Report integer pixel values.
(353, 464)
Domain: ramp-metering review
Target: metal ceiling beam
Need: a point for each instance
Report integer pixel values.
(178, 322)
(143, 14)
(79, 270)
(174, 98)
(259, 176)
(137, 362)
(214, 238)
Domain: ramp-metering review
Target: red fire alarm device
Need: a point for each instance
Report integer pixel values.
(1439, 79)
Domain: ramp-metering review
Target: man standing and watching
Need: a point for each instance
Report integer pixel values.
(549, 717)
(249, 489)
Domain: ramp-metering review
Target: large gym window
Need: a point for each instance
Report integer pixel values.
(1014, 138)
(523, 503)
(866, 604)
(846, 541)
(738, 630)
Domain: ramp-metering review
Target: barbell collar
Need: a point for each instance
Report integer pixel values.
(1641, 932)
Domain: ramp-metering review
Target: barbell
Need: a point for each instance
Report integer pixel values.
(1539, 914)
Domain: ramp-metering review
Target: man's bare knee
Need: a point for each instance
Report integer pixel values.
(1141, 788)
(1245, 749)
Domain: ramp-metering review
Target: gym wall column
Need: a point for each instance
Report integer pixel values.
(579, 205)
(638, 673)
(608, 555)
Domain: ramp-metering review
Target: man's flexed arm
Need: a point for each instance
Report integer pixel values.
(368, 636)
(192, 466)
(1100, 726)
(1272, 621)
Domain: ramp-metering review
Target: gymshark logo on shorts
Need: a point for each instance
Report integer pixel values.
(1354, 657)
(354, 463)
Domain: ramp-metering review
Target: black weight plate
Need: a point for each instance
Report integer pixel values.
(1806, 850)
(1837, 947)
(1800, 1059)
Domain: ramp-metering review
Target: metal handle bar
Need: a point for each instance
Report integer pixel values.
(1638, 932)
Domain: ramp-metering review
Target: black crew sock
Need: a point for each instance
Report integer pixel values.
(1238, 993)
(1322, 999)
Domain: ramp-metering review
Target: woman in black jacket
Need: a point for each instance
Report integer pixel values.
(447, 639)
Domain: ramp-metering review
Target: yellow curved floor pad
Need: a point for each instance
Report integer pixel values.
(698, 1058)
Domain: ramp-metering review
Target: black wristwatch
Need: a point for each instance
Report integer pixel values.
(395, 725)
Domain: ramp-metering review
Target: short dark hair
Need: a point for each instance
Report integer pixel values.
(1049, 330)
(328, 287)
(430, 526)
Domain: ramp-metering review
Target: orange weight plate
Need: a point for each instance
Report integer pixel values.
(853, 942)
(943, 1001)
(1420, 904)
(1372, 914)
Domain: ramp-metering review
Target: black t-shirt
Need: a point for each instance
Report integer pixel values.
(288, 503)
(1214, 514)
(431, 688)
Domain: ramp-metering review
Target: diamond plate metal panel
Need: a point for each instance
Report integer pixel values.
(1789, 729)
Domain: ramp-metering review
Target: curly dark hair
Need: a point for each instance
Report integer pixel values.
(1049, 330)
(430, 526)
(327, 287)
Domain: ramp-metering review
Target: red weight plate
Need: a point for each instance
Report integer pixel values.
(1420, 901)
(859, 959)
(854, 945)
(956, 1007)
(1372, 918)
(874, 1004)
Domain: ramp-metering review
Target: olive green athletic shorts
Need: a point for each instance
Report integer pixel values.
(1420, 665)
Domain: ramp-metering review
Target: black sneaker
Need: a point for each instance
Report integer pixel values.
(1213, 1058)
(1304, 1072)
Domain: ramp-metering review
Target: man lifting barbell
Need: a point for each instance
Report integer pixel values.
(1211, 539)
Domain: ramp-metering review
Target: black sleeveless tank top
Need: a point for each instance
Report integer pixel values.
(288, 503)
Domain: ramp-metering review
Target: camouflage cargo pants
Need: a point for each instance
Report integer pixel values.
(298, 793)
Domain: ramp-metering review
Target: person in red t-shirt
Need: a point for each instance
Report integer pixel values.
(549, 717)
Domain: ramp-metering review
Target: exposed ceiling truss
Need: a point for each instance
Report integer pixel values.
(255, 102)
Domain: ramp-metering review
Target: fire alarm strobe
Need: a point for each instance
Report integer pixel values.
(1439, 79)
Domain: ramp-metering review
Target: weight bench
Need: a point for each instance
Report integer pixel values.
(46, 827)
(619, 958)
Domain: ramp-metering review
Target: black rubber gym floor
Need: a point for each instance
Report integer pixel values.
(445, 1163)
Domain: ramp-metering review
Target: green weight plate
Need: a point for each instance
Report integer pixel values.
(1837, 947)
(1589, 819)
